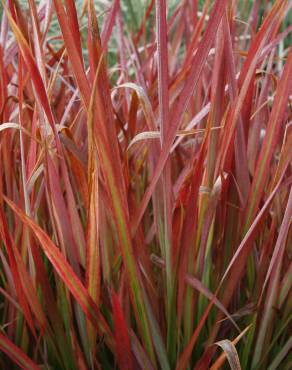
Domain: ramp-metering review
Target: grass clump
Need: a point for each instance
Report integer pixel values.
(145, 185)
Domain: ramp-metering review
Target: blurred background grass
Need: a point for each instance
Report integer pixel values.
(133, 10)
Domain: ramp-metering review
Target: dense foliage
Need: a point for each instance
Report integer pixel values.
(145, 185)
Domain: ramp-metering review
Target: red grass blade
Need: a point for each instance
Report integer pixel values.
(108, 24)
(73, 53)
(74, 26)
(122, 339)
(16, 354)
(185, 95)
(273, 275)
(15, 273)
(107, 150)
(184, 358)
(276, 118)
(32, 67)
(66, 273)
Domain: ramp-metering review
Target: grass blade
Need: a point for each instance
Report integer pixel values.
(16, 354)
